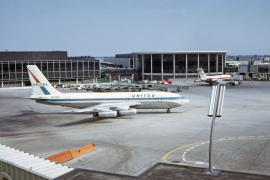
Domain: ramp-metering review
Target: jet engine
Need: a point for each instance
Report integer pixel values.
(130, 111)
(107, 114)
(214, 80)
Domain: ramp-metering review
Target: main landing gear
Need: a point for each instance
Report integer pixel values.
(168, 110)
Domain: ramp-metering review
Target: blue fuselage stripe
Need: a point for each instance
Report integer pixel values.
(115, 99)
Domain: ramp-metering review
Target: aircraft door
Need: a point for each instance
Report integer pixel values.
(159, 99)
(67, 100)
(127, 99)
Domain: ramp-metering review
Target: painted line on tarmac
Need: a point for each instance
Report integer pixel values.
(194, 145)
(87, 128)
(180, 163)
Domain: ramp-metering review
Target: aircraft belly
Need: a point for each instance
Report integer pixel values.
(45, 102)
(81, 104)
(154, 105)
(73, 104)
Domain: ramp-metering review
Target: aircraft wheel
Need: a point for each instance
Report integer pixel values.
(95, 114)
(168, 111)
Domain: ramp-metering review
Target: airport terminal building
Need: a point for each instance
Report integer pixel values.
(59, 68)
(55, 65)
(176, 64)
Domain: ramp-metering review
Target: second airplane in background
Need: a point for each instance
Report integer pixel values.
(210, 79)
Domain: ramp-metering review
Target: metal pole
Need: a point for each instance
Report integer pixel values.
(174, 66)
(151, 67)
(213, 127)
(215, 110)
(210, 145)
(162, 66)
(186, 66)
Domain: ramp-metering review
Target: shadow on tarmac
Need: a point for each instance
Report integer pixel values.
(93, 120)
(154, 113)
(83, 121)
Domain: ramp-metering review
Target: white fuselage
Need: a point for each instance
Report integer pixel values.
(209, 79)
(148, 100)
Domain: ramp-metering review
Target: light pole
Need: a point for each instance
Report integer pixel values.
(215, 110)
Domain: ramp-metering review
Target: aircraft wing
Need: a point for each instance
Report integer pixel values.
(107, 107)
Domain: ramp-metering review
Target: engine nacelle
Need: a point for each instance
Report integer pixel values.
(214, 80)
(197, 80)
(107, 114)
(131, 111)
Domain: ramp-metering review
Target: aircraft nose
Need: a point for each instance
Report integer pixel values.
(185, 101)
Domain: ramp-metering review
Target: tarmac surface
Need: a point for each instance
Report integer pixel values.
(162, 171)
(130, 145)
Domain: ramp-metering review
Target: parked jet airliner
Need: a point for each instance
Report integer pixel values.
(101, 104)
(211, 79)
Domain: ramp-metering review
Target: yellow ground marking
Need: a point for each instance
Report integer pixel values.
(164, 158)
(181, 163)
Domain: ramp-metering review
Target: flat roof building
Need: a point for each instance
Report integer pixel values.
(172, 64)
(55, 65)
(32, 55)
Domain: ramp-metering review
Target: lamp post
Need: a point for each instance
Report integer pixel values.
(215, 110)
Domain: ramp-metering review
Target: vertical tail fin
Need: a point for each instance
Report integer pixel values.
(201, 73)
(40, 84)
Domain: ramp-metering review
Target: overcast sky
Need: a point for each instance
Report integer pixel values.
(109, 27)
